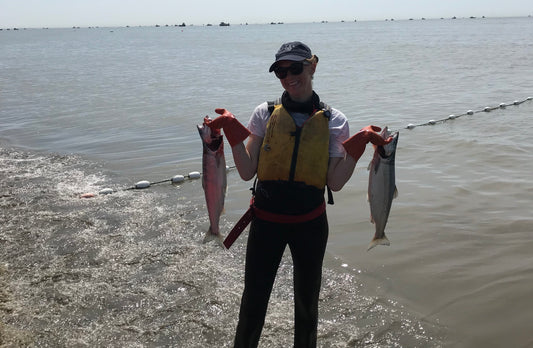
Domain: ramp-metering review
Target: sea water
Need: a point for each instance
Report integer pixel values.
(86, 109)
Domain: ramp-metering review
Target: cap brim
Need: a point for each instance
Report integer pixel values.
(291, 57)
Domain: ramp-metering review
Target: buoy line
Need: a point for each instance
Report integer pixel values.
(468, 113)
(143, 184)
(177, 179)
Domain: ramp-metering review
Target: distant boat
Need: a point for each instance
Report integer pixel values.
(222, 24)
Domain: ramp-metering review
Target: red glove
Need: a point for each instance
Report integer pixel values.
(235, 132)
(355, 146)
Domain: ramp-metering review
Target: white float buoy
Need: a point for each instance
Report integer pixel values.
(516, 102)
(142, 184)
(503, 105)
(177, 179)
(487, 109)
(194, 175)
(470, 112)
(105, 191)
(410, 126)
(452, 117)
(432, 122)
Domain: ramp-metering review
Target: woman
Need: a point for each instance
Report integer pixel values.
(297, 146)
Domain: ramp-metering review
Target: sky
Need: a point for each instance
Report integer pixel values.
(86, 13)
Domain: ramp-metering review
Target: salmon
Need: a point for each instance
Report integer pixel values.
(214, 181)
(382, 187)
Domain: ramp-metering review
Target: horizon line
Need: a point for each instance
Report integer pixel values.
(183, 24)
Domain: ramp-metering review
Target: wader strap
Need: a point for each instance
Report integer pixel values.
(289, 219)
(252, 212)
(239, 227)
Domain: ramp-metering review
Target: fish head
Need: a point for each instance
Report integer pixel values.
(389, 149)
(211, 138)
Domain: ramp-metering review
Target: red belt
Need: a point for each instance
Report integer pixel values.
(272, 217)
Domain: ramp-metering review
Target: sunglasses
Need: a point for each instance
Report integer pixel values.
(295, 68)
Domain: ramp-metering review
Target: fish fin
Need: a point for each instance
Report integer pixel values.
(395, 192)
(378, 241)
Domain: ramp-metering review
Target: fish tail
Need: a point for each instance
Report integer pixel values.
(209, 236)
(378, 241)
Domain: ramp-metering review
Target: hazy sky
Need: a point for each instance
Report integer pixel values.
(68, 13)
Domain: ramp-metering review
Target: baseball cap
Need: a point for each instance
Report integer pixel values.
(295, 51)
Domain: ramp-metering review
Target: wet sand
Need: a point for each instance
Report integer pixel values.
(129, 270)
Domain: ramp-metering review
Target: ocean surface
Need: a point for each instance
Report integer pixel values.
(86, 109)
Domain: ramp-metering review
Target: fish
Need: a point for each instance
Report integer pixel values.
(382, 186)
(214, 181)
